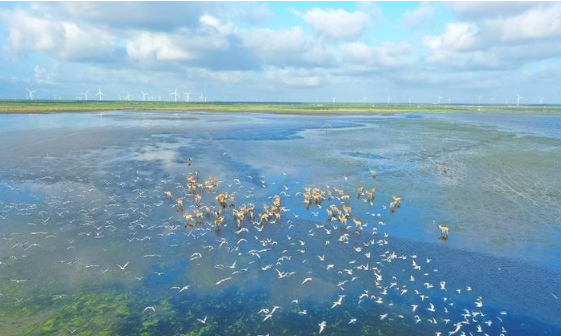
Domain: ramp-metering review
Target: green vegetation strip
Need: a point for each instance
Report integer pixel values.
(39, 106)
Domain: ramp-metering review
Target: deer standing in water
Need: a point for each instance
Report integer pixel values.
(443, 231)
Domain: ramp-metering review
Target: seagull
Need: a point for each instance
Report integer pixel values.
(203, 321)
(338, 302)
(149, 308)
(306, 280)
(221, 281)
(322, 326)
(181, 289)
(124, 266)
(479, 302)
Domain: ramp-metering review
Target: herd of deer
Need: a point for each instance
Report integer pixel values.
(312, 197)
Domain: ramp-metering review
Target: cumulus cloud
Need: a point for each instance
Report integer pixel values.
(419, 15)
(483, 9)
(65, 40)
(337, 24)
(530, 32)
(285, 47)
(214, 44)
(156, 46)
(457, 37)
(542, 22)
(360, 57)
(155, 16)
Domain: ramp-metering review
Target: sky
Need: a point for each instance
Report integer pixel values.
(283, 51)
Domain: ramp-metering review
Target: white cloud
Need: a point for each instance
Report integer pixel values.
(459, 36)
(273, 42)
(156, 46)
(358, 56)
(419, 15)
(478, 10)
(63, 39)
(28, 33)
(337, 24)
(541, 22)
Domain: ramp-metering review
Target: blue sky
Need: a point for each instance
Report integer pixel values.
(284, 51)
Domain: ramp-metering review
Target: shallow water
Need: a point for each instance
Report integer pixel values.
(82, 194)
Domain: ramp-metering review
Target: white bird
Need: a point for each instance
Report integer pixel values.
(124, 266)
(306, 280)
(338, 302)
(181, 289)
(203, 321)
(225, 279)
(149, 308)
(322, 326)
(479, 302)
(431, 308)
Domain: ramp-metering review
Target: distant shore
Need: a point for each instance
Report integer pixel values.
(40, 106)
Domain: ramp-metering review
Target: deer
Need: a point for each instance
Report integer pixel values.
(443, 231)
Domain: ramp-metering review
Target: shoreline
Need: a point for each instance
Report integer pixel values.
(48, 107)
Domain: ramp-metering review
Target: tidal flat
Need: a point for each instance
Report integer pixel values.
(92, 246)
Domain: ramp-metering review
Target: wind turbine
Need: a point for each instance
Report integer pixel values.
(100, 94)
(86, 94)
(518, 97)
(479, 99)
(439, 98)
(188, 96)
(175, 95)
(144, 94)
(202, 97)
(30, 94)
(128, 96)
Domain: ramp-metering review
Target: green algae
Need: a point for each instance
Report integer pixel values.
(89, 314)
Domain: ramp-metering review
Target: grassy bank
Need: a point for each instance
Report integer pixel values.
(39, 106)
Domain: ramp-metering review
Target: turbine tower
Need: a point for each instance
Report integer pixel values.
(518, 97)
(128, 97)
(144, 94)
(30, 94)
(479, 99)
(175, 95)
(188, 96)
(86, 95)
(100, 94)
(439, 98)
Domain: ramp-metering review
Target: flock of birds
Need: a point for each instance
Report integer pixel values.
(326, 244)
(203, 213)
